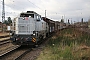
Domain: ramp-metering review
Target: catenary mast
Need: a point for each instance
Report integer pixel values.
(3, 14)
(3, 11)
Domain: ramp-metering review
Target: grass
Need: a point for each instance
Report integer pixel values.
(67, 45)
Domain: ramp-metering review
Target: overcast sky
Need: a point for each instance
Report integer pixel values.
(70, 9)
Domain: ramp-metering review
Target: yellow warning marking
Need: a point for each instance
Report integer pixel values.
(33, 39)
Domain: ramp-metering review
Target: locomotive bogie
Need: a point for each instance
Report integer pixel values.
(24, 40)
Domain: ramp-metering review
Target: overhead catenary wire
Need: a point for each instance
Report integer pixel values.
(15, 13)
(54, 13)
(35, 5)
(25, 4)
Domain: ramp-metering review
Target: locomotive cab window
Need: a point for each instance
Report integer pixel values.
(38, 18)
(27, 15)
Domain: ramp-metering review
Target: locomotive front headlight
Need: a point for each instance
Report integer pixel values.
(23, 18)
(16, 39)
(34, 34)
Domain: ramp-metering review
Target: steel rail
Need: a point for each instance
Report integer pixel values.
(4, 42)
(4, 36)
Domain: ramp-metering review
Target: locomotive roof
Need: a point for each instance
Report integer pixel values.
(29, 12)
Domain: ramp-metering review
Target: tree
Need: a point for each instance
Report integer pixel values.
(9, 20)
(6, 22)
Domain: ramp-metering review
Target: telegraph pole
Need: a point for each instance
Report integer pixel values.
(3, 14)
(46, 25)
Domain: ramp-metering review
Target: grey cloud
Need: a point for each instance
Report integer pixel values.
(20, 5)
(55, 8)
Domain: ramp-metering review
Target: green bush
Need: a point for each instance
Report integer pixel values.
(62, 47)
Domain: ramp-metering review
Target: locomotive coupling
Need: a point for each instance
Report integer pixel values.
(34, 39)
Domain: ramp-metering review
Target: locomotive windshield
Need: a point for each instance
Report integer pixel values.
(27, 15)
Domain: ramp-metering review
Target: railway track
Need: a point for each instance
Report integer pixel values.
(16, 54)
(9, 49)
(6, 46)
(20, 53)
(23, 54)
(4, 39)
(4, 36)
(4, 42)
